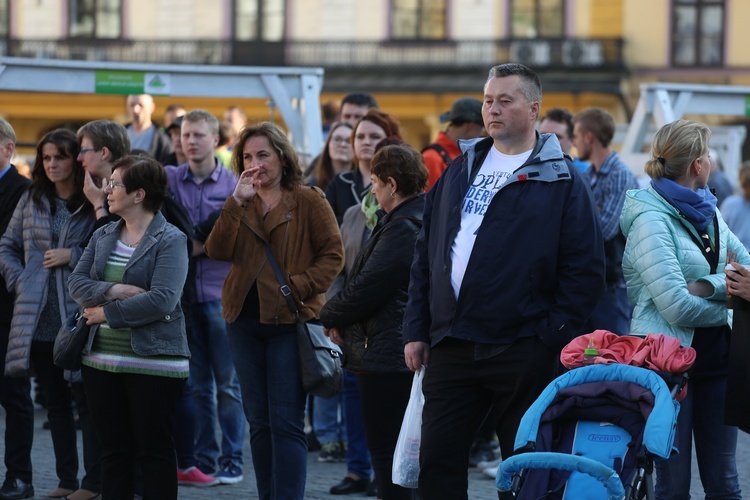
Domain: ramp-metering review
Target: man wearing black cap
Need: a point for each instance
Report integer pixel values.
(465, 122)
(175, 133)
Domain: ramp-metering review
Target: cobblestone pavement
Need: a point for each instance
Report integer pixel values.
(320, 476)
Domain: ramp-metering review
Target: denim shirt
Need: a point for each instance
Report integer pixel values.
(159, 266)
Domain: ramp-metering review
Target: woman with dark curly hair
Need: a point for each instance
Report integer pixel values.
(40, 248)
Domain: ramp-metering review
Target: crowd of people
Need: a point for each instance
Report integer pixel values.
(476, 259)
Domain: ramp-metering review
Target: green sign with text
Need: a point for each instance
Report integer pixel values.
(119, 82)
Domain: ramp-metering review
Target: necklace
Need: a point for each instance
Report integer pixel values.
(131, 245)
(269, 206)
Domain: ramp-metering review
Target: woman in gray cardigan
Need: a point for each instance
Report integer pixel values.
(135, 362)
(39, 249)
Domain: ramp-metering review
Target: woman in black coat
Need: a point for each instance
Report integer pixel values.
(365, 317)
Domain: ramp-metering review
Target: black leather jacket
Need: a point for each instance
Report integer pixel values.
(370, 309)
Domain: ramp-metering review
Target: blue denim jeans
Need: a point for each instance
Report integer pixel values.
(702, 418)
(215, 389)
(358, 460)
(267, 364)
(613, 312)
(329, 422)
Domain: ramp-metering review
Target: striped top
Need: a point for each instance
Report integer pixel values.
(112, 350)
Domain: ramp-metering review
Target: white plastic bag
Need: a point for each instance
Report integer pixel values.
(406, 457)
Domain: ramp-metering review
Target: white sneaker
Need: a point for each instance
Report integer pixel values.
(489, 463)
(491, 472)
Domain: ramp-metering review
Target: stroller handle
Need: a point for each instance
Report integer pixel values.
(562, 461)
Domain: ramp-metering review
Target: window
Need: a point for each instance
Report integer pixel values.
(537, 18)
(418, 19)
(697, 36)
(259, 20)
(95, 18)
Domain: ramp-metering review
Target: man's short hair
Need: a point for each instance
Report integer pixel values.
(6, 131)
(560, 115)
(239, 110)
(106, 134)
(174, 107)
(360, 99)
(599, 122)
(201, 115)
(531, 86)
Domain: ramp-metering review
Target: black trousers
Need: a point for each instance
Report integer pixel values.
(132, 416)
(60, 413)
(384, 397)
(15, 398)
(460, 392)
(92, 452)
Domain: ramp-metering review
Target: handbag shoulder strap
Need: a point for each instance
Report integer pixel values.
(283, 287)
(709, 252)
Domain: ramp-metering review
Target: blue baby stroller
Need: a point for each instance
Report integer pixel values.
(593, 434)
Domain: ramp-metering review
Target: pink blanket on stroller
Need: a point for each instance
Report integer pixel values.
(655, 352)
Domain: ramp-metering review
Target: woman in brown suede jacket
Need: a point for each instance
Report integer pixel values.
(270, 203)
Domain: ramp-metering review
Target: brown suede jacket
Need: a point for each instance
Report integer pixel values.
(305, 240)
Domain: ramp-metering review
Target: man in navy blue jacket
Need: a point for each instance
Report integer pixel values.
(507, 268)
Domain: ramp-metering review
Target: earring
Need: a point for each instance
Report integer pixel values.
(393, 194)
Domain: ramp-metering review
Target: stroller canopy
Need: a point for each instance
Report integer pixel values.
(658, 433)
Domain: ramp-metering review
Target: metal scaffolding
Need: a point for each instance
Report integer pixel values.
(295, 91)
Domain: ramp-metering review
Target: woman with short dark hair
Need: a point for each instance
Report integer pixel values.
(365, 317)
(129, 282)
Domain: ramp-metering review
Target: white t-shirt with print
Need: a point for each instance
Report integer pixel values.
(494, 172)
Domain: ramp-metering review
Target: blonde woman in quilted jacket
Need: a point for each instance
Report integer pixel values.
(677, 245)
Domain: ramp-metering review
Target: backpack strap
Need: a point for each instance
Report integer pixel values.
(440, 150)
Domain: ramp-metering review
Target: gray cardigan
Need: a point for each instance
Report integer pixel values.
(22, 248)
(159, 265)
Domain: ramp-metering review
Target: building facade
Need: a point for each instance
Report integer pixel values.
(415, 56)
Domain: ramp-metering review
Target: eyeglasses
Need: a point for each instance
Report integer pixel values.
(86, 150)
(340, 140)
(113, 184)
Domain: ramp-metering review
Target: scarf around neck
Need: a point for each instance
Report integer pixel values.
(698, 207)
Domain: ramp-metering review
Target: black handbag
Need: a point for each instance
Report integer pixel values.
(70, 341)
(320, 359)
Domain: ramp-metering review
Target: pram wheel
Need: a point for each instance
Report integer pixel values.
(641, 485)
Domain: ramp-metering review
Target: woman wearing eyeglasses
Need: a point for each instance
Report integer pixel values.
(337, 156)
(40, 248)
(129, 282)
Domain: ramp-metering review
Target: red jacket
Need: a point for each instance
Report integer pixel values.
(434, 162)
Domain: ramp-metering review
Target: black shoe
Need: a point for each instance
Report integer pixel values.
(312, 442)
(350, 485)
(14, 489)
(372, 490)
